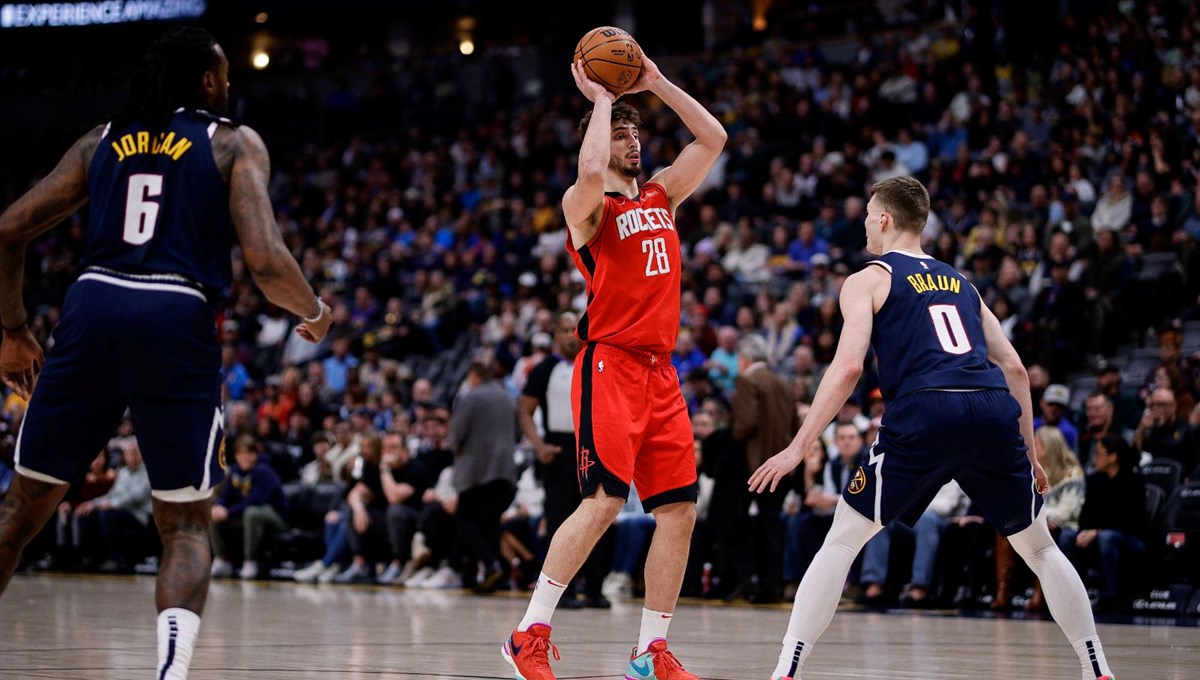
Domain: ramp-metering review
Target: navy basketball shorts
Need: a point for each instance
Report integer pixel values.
(933, 436)
(146, 344)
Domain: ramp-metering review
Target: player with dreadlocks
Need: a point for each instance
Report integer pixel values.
(169, 182)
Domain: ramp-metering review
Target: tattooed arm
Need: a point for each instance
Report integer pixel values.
(267, 257)
(58, 195)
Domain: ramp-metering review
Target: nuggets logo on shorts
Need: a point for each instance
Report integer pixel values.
(221, 456)
(859, 482)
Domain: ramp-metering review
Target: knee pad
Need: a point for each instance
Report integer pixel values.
(850, 529)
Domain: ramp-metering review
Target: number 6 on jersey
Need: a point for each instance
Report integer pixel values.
(657, 260)
(141, 213)
(950, 330)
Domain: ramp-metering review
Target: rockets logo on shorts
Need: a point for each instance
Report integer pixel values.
(859, 482)
(585, 464)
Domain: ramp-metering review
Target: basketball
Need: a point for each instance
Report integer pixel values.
(610, 57)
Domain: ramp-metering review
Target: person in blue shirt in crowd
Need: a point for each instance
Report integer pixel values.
(233, 374)
(251, 504)
(1056, 405)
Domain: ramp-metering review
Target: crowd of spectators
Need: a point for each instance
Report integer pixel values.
(1063, 185)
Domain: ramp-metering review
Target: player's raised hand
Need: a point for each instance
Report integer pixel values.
(21, 360)
(648, 79)
(590, 88)
(314, 331)
(767, 476)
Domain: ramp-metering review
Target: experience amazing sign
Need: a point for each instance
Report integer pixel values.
(27, 15)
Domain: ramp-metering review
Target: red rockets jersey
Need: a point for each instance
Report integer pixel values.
(631, 267)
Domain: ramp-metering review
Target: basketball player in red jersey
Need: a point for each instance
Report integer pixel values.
(631, 421)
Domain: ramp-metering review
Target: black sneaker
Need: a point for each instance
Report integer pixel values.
(597, 602)
(570, 601)
(489, 584)
(910, 602)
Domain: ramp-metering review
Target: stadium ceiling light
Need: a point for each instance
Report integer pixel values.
(260, 60)
(465, 30)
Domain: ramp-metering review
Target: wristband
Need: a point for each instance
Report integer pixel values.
(315, 317)
(14, 329)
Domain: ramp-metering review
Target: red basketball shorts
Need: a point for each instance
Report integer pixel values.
(632, 426)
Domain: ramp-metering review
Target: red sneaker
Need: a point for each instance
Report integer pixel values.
(656, 663)
(528, 653)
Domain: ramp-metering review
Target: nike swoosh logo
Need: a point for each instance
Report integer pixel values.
(516, 649)
(643, 669)
(666, 616)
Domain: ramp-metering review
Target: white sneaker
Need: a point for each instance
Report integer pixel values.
(617, 584)
(310, 573)
(410, 570)
(446, 577)
(421, 552)
(420, 577)
(391, 575)
(249, 570)
(329, 573)
(221, 568)
(356, 573)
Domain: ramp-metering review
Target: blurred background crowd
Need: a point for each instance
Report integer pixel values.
(419, 189)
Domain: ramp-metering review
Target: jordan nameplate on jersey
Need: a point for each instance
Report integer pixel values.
(141, 142)
(639, 220)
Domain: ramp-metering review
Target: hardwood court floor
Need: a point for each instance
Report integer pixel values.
(86, 628)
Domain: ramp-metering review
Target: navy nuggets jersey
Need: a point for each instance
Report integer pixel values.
(159, 204)
(949, 412)
(137, 331)
(929, 332)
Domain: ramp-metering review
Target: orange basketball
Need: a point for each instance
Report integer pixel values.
(610, 57)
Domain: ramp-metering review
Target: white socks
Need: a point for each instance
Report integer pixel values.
(654, 627)
(1091, 657)
(791, 658)
(821, 588)
(1065, 595)
(177, 629)
(545, 599)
